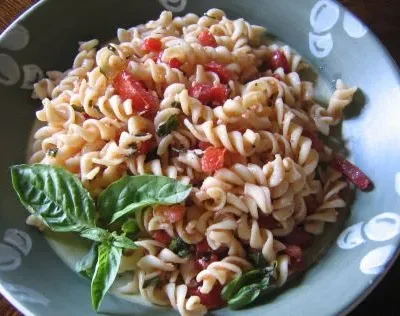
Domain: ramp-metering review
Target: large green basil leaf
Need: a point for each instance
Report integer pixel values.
(109, 258)
(54, 194)
(86, 265)
(133, 193)
(96, 234)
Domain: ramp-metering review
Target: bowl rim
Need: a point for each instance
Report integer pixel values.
(351, 303)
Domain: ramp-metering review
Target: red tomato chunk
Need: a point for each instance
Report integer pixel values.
(127, 87)
(317, 144)
(213, 159)
(209, 94)
(207, 39)
(351, 172)
(162, 236)
(175, 63)
(299, 237)
(223, 73)
(170, 213)
(145, 147)
(279, 60)
(211, 300)
(203, 262)
(152, 45)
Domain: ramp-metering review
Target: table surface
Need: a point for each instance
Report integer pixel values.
(383, 17)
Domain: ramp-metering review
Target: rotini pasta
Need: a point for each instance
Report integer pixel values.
(210, 102)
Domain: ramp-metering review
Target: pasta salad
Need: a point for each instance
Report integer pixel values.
(190, 152)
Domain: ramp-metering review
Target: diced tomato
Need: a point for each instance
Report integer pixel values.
(311, 203)
(213, 159)
(145, 147)
(207, 39)
(209, 94)
(221, 252)
(299, 237)
(203, 262)
(351, 172)
(175, 63)
(211, 300)
(232, 158)
(296, 257)
(317, 144)
(202, 248)
(152, 44)
(201, 92)
(170, 213)
(219, 94)
(223, 73)
(278, 60)
(203, 145)
(268, 222)
(294, 252)
(144, 102)
(162, 236)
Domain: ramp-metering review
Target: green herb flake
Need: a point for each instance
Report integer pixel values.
(182, 249)
(78, 108)
(258, 259)
(168, 126)
(176, 104)
(153, 281)
(52, 152)
(130, 226)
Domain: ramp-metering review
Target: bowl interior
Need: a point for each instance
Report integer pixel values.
(35, 278)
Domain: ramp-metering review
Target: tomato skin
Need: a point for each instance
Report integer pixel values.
(211, 300)
(127, 87)
(278, 60)
(223, 73)
(268, 222)
(203, 145)
(207, 39)
(209, 94)
(175, 63)
(145, 147)
(296, 258)
(299, 237)
(351, 172)
(170, 213)
(162, 236)
(233, 158)
(213, 159)
(144, 103)
(202, 248)
(317, 144)
(152, 44)
(219, 94)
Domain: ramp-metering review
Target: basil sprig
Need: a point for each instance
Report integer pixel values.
(244, 289)
(60, 199)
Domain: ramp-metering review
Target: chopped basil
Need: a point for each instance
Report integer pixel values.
(258, 259)
(52, 152)
(130, 226)
(152, 155)
(78, 108)
(168, 126)
(178, 246)
(176, 104)
(153, 281)
(111, 48)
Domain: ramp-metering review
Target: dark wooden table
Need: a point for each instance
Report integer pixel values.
(383, 17)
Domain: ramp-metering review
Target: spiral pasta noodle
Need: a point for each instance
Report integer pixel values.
(211, 102)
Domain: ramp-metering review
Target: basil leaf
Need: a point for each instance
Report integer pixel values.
(245, 296)
(132, 193)
(109, 258)
(168, 126)
(123, 242)
(54, 194)
(85, 266)
(252, 276)
(156, 280)
(178, 246)
(96, 234)
(130, 226)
